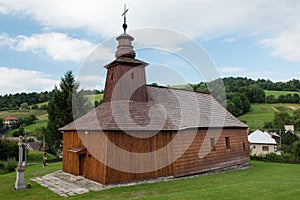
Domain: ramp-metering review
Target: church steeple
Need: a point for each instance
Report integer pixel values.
(126, 77)
(125, 49)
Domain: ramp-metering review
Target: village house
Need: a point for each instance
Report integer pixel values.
(261, 143)
(8, 121)
(147, 132)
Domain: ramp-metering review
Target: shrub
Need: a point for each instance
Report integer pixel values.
(37, 156)
(296, 149)
(8, 166)
(8, 149)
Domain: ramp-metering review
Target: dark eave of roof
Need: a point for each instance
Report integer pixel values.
(128, 61)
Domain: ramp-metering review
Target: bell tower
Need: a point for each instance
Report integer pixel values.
(126, 78)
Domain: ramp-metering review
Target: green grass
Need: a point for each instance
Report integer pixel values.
(262, 181)
(95, 97)
(260, 113)
(43, 103)
(37, 156)
(31, 129)
(278, 93)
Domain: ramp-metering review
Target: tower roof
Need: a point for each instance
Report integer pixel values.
(125, 49)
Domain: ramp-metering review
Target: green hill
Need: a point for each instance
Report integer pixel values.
(260, 113)
(40, 114)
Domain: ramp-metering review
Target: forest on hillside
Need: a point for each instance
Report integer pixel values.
(241, 92)
(23, 100)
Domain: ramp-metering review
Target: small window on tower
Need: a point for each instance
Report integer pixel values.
(227, 141)
(132, 75)
(212, 143)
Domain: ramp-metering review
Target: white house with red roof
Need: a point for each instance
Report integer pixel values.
(10, 120)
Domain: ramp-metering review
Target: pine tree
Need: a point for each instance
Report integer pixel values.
(67, 103)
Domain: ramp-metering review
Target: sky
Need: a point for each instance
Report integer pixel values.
(41, 40)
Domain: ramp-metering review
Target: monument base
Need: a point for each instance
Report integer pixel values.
(20, 182)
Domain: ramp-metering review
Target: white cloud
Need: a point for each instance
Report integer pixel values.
(204, 19)
(229, 40)
(231, 69)
(5, 40)
(3, 10)
(15, 80)
(285, 45)
(57, 46)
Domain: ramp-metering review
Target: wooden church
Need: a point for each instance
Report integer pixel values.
(142, 131)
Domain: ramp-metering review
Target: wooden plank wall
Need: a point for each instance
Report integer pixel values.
(70, 160)
(138, 145)
(190, 163)
(138, 78)
(92, 169)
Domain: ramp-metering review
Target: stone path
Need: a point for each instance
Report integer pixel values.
(66, 184)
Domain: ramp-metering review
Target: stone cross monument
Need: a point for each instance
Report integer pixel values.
(20, 182)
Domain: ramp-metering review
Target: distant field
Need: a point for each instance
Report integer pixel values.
(43, 103)
(261, 181)
(260, 113)
(32, 128)
(95, 97)
(40, 114)
(278, 93)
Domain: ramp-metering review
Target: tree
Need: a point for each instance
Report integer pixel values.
(281, 99)
(256, 94)
(34, 107)
(67, 104)
(281, 119)
(287, 141)
(237, 104)
(295, 98)
(8, 149)
(245, 102)
(270, 99)
(268, 125)
(24, 106)
(296, 149)
(296, 118)
(1, 123)
(19, 132)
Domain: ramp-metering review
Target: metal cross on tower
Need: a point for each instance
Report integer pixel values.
(124, 15)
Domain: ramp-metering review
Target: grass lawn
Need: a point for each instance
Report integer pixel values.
(30, 129)
(278, 93)
(35, 156)
(262, 181)
(260, 113)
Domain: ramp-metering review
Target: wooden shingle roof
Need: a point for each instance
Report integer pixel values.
(167, 109)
